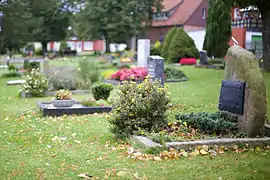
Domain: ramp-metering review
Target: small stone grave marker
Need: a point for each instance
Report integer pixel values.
(156, 68)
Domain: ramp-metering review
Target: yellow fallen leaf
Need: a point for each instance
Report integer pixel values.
(122, 173)
(156, 158)
(203, 152)
(185, 154)
(205, 147)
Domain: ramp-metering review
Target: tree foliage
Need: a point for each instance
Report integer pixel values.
(218, 31)
(27, 20)
(264, 8)
(115, 20)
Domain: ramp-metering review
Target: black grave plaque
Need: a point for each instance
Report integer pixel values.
(156, 68)
(232, 95)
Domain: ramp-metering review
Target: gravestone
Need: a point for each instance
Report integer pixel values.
(156, 68)
(203, 57)
(143, 52)
(241, 65)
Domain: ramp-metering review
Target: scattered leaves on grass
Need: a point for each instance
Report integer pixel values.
(200, 150)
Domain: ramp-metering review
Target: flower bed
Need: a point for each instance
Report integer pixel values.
(130, 74)
(139, 74)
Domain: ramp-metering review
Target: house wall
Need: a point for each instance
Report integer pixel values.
(193, 28)
(155, 33)
(198, 37)
(197, 18)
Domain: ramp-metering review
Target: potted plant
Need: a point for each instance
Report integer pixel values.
(63, 98)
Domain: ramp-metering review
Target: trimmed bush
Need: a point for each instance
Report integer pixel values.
(102, 91)
(182, 46)
(217, 123)
(167, 43)
(12, 74)
(139, 107)
(11, 67)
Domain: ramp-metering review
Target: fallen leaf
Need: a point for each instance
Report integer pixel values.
(122, 173)
(53, 155)
(156, 158)
(76, 141)
(203, 152)
(205, 147)
(85, 176)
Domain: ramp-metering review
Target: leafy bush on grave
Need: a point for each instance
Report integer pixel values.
(210, 123)
(139, 107)
(102, 91)
(64, 78)
(36, 84)
(174, 73)
(182, 46)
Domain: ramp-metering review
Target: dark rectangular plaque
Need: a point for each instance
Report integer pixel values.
(232, 96)
(156, 68)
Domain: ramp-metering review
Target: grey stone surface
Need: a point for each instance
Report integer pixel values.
(47, 109)
(146, 141)
(241, 65)
(156, 68)
(203, 58)
(16, 82)
(220, 142)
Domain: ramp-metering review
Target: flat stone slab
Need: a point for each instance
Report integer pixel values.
(16, 82)
(47, 109)
(191, 144)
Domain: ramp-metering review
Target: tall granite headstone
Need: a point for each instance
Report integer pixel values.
(143, 52)
(156, 68)
(241, 65)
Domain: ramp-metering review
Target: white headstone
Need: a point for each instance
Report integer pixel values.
(143, 52)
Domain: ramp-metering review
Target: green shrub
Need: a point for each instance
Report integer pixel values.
(39, 52)
(63, 81)
(167, 43)
(216, 61)
(12, 74)
(11, 67)
(218, 123)
(174, 73)
(156, 49)
(139, 107)
(27, 65)
(89, 72)
(36, 84)
(102, 91)
(63, 46)
(182, 46)
(89, 103)
(122, 66)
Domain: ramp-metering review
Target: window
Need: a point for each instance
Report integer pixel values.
(204, 13)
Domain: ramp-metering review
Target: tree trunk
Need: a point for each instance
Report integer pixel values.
(266, 36)
(108, 42)
(44, 47)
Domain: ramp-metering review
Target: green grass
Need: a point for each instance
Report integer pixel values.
(29, 147)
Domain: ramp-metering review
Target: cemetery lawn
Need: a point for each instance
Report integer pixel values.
(32, 147)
